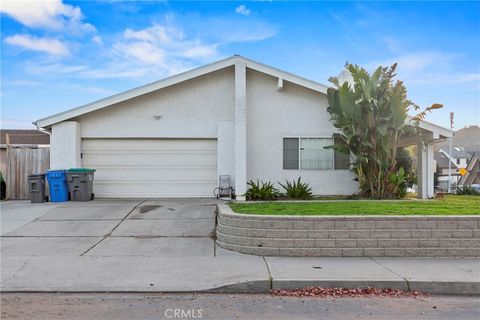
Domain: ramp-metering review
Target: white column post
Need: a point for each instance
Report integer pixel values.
(240, 130)
(425, 171)
(65, 145)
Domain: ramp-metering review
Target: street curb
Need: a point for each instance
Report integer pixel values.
(447, 287)
(264, 286)
(454, 287)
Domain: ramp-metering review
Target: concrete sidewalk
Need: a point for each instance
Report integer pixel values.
(228, 272)
(167, 246)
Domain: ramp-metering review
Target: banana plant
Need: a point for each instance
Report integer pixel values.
(371, 115)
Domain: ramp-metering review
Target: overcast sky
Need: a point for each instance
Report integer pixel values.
(57, 55)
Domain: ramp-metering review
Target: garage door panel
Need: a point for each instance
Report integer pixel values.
(152, 175)
(152, 191)
(152, 167)
(146, 159)
(156, 145)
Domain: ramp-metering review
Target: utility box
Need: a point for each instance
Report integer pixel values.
(36, 188)
(80, 184)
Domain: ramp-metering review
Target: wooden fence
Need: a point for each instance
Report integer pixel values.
(22, 162)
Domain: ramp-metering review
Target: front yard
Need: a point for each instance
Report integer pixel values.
(449, 205)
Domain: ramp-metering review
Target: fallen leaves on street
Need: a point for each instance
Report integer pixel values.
(344, 292)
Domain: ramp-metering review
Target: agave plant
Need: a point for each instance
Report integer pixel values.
(260, 190)
(297, 189)
(371, 113)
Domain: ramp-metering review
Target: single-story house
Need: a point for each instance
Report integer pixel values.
(235, 117)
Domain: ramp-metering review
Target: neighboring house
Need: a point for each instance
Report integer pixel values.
(20, 138)
(460, 159)
(236, 117)
(29, 153)
(473, 171)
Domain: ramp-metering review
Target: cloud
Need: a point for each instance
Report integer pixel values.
(48, 45)
(419, 61)
(48, 14)
(164, 47)
(156, 51)
(48, 68)
(155, 34)
(242, 9)
(142, 51)
(200, 51)
(429, 68)
(97, 40)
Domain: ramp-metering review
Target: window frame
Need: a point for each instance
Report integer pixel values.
(299, 158)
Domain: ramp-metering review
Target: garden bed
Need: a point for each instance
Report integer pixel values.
(449, 205)
(319, 231)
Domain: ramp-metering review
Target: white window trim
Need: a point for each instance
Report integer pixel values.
(311, 170)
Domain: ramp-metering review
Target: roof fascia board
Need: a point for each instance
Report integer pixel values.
(286, 76)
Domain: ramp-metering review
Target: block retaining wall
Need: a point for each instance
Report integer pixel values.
(349, 236)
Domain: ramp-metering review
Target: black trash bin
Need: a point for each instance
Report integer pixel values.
(36, 187)
(80, 184)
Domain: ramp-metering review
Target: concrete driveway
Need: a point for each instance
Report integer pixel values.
(152, 228)
(120, 245)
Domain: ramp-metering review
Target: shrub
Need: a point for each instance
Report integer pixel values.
(398, 183)
(261, 191)
(467, 190)
(404, 160)
(370, 112)
(297, 189)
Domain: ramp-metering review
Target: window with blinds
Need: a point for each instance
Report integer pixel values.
(310, 154)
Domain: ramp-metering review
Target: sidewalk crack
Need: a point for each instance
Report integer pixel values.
(395, 273)
(270, 278)
(110, 233)
(18, 270)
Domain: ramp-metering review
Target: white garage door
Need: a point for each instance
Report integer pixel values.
(152, 167)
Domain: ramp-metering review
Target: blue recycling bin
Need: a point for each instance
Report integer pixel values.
(57, 181)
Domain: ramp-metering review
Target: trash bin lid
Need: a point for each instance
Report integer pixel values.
(56, 172)
(37, 175)
(81, 170)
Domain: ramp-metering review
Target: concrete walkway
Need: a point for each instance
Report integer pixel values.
(167, 246)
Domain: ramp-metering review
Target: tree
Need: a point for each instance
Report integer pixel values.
(371, 113)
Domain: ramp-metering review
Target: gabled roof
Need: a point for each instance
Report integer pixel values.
(129, 94)
(438, 131)
(442, 160)
(457, 154)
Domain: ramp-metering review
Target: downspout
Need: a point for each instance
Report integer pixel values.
(41, 129)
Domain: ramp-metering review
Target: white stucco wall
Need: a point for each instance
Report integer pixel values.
(191, 109)
(226, 150)
(205, 107)
(65, 144)
(292, 112)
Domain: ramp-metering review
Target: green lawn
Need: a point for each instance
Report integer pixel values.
(449, 205)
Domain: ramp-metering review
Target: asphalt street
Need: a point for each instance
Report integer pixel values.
(121, 306)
